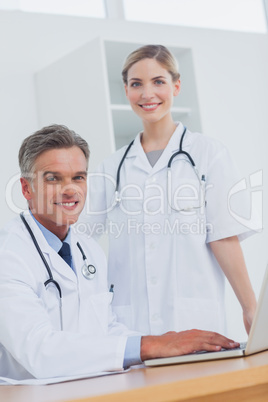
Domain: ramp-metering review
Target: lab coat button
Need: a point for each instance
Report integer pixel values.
(155, 317)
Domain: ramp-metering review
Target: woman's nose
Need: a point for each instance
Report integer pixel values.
(147, 92)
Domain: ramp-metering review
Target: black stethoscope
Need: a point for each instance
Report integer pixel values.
(88, 270)
(201, 180)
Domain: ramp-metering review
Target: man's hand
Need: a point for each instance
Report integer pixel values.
(181, 343)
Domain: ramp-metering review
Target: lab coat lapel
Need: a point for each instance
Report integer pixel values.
(55, 262)
(59, 265)
(77, 257)
(138, 156)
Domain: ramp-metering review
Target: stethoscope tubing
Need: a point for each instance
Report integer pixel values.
(91, 268)
(179, 152)
(51, 279)
(120, 165)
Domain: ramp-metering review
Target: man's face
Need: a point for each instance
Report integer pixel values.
(57, 193)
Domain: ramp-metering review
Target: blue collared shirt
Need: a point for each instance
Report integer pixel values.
(52, 239)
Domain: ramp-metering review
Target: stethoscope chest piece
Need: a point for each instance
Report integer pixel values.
(88, 271)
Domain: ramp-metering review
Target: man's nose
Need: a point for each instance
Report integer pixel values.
(69, 189)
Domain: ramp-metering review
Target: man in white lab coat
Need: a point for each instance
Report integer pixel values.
(55, 314)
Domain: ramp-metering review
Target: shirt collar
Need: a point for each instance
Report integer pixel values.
(51, 238)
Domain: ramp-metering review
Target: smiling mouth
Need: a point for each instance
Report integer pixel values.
(67, 204)
(150, 106)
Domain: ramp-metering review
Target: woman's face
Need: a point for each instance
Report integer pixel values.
(150, 90)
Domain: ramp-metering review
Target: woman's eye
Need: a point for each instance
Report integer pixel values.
(159, 82)
(135, 84)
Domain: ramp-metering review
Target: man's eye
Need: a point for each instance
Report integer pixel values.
(79, 178)
(51, 178)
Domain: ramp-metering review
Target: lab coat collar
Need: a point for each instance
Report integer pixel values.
(141, 160)
(54, 260)
(50, 237)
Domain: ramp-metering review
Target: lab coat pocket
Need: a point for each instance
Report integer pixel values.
(101, 304)
(187, 197)
(197, 313)
(123, 314)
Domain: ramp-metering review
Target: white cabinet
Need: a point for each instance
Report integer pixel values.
(74, 91)
(84, 90)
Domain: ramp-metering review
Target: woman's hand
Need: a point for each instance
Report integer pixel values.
(230, 257)
(248, 319)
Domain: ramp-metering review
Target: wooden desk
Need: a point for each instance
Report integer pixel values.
(232, 380)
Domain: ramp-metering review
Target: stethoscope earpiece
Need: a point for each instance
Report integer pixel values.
(116, 197)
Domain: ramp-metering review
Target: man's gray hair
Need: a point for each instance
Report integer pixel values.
(51, 137)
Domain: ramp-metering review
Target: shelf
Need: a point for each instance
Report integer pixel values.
(127, 108)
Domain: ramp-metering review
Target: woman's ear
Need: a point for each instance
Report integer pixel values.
(26, 188)
(177, 88)
(126, 90)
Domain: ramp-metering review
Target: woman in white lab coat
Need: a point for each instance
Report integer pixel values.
(171, 239)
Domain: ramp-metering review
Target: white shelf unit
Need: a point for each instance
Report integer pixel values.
(84, 90)
(125, 123)
(127, 108)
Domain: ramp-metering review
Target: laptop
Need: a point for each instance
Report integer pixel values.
(257, 339)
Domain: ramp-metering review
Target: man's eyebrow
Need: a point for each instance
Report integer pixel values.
(50, 172)
(81, 173)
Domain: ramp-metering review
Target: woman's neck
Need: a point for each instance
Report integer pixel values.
(156, 136)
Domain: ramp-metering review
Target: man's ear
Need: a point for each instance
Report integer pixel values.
(26, 188)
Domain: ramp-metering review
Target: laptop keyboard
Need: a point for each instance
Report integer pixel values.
(241, 347)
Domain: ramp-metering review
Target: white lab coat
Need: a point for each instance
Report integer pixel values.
(31, 342)
(164, 273)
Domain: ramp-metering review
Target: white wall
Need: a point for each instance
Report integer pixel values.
(232, 85)
(18, 119)
(74, 92)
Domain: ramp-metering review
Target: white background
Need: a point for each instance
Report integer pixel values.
(232, 85)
